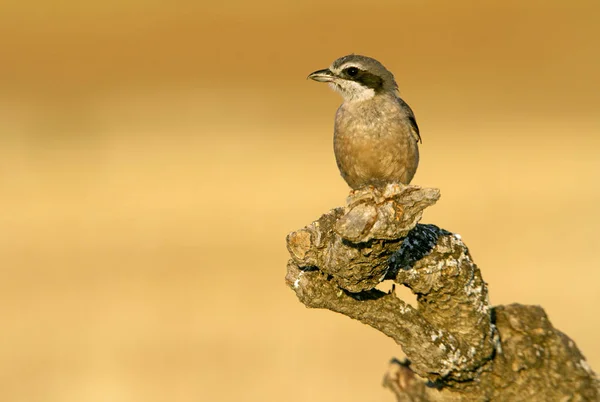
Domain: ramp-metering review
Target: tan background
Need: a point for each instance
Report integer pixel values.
(154, 155)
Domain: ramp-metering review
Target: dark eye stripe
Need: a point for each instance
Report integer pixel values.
(369, 80)
(363, 77)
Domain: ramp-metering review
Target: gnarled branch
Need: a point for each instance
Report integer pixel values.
(458, 346)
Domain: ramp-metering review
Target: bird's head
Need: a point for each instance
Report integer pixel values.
(357, 77)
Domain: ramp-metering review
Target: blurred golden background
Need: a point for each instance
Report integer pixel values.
(153, 156)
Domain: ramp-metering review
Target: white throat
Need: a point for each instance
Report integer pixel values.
(352, 91)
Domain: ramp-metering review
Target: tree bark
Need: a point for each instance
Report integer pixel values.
(458, 346)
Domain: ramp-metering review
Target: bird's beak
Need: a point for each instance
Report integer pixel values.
(322, 75)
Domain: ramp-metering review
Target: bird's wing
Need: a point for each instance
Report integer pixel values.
(414, 127)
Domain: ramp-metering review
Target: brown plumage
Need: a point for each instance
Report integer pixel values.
(375, 133)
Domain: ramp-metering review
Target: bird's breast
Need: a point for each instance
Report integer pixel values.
(373, 144)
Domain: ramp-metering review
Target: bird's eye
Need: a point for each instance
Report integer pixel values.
(351, 71)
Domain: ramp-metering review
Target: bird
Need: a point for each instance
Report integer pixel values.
(376, 134)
